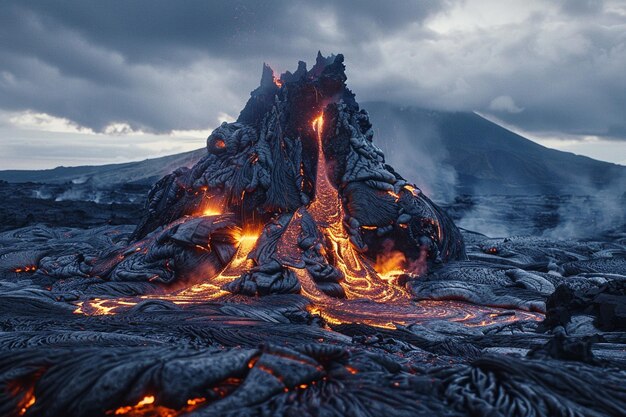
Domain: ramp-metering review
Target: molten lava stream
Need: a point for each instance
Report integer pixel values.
(403, 312)
(360, 278)
(238, 265)
(372, 299)
(206, 291)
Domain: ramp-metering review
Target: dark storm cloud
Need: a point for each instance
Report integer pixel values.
(162, 65)
(154, 31)
(99, 62)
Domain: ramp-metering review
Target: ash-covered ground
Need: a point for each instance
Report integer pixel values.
(67, 349)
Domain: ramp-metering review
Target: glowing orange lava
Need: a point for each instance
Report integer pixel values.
(238, 265)
(102, 307)
(27, 268)
(212, 205)
(147, 407)
(209, 211)
(196, 401)
(360, 277)
(27, 401)
(390, 264)
(147, 400)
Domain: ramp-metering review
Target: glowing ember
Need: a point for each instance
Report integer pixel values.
(219, 143)
(196, 401)
(395, 196)
(27, 401)
(211, 212)
(27, 268)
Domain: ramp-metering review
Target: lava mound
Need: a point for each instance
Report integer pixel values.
(292, 197)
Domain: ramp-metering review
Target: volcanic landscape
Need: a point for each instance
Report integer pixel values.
(292, 271)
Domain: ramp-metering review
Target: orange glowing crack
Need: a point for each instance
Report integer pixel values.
(196, 401)
(141, 404)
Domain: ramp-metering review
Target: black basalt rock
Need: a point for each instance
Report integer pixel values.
(606, 303)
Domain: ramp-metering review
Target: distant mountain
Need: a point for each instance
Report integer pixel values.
(147, 171)
(479, 156)
(445, 153)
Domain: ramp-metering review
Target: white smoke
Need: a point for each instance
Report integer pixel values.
(592, 211)
(417, 154)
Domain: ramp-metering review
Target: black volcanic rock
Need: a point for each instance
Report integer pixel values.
(606, 303)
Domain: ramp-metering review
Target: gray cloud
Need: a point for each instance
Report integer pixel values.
(582, 7)
(160, 65)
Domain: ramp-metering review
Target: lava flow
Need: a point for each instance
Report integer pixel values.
(373, 295)
(361, 280)
(294, 197)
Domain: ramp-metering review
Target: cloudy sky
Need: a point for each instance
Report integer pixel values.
(91, 82)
